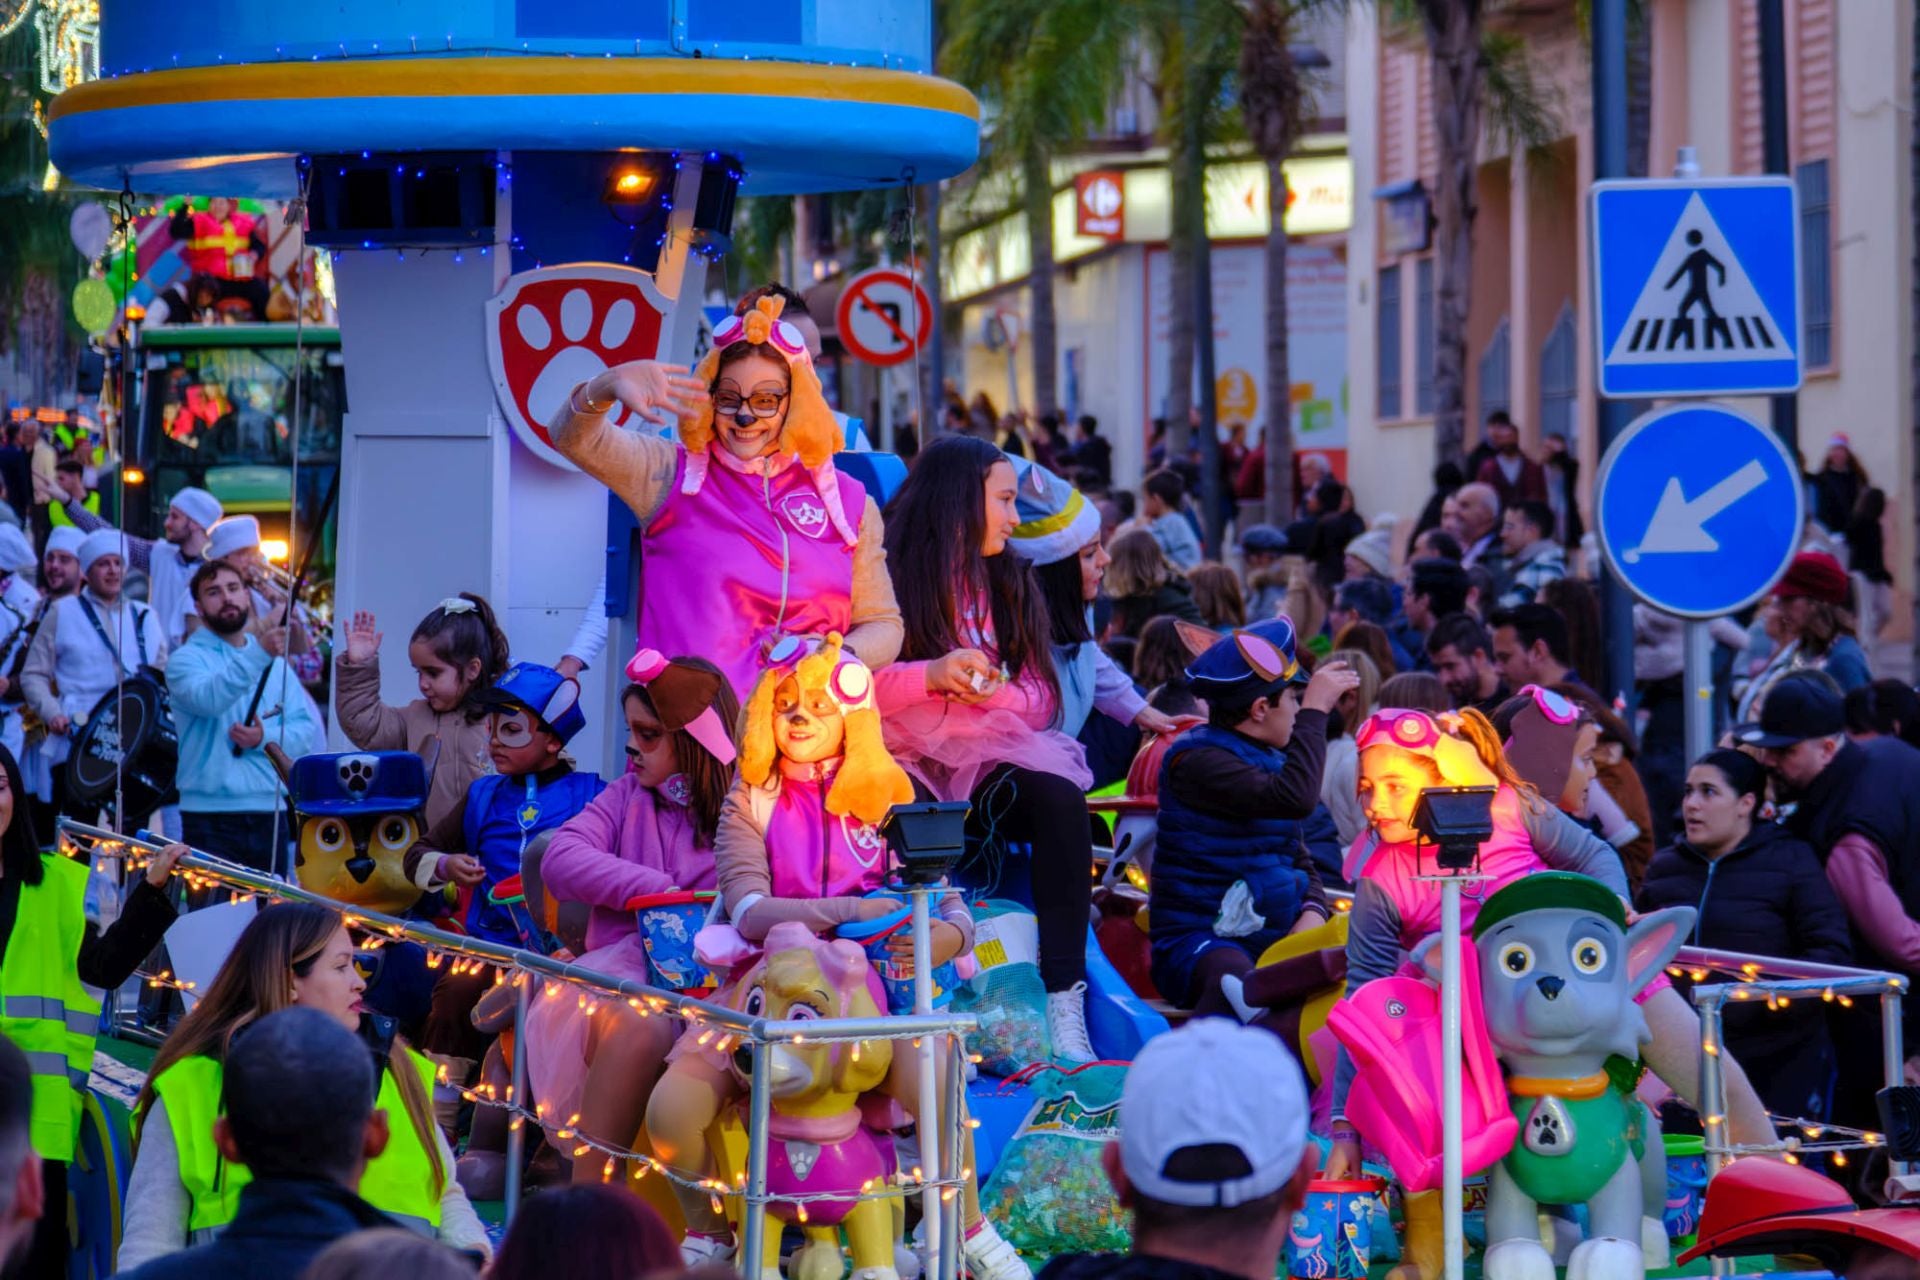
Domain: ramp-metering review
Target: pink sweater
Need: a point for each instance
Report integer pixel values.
(949, 745)
(629, 842)
(1857, 870)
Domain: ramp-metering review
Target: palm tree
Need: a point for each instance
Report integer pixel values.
(1045, 70)
(1476, 72)
(1273, 102)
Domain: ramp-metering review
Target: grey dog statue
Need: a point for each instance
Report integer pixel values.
(1559, 970)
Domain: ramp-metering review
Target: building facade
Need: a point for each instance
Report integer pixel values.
(1530, 345)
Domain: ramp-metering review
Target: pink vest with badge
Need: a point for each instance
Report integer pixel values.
(746, 560)
(815, 854)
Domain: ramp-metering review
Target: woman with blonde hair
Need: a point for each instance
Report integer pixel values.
(1145, 585)
(1217, 594)
(1340, 784)
(183, 1192)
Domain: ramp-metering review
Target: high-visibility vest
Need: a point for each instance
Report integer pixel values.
(57, 512)
(44, 1008)
(399, 1182)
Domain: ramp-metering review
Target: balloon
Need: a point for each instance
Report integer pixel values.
(90, 226)
(93, 305)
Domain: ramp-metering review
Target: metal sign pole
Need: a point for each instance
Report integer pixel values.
(1697, 684)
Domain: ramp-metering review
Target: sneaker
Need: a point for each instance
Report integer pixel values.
(1067, 1025)
(699, 1251)
(990, 1257)
(1236, 993)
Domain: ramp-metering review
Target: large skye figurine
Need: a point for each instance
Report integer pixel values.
(1560, 968)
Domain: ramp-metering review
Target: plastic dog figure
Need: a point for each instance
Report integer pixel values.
(1560, 968)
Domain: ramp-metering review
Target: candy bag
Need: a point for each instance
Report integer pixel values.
(1048, 1194)
(1006, 995)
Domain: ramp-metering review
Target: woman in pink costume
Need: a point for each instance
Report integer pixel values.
(652, 831)
(973, 711)
(799, 843)
(1403, 752)
(749, 533)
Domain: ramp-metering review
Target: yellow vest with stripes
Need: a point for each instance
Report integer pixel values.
(399, 1182)
(44, 1008)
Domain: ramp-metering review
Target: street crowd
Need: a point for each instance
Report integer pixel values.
(1009, 629)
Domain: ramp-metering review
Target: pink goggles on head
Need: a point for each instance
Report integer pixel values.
(1557, 708)
(850, 684)
(781, 334)
(1408, 730)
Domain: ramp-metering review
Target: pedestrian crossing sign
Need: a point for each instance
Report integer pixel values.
(1697, 287)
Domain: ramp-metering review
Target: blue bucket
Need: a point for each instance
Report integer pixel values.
(1331, 1237)
(875, 936)
(1686, 1185)
(668, 923)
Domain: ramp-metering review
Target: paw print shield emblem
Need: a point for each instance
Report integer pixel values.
(356, 774)
(552, 329)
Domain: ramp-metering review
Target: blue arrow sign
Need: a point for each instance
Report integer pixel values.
(1697, 287)
(1698, 509)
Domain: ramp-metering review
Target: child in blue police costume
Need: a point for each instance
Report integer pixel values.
(1232, 874)
(533, 712)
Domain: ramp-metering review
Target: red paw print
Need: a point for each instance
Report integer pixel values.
(552, 329)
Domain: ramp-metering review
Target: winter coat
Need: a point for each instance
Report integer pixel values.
(1768, 896)
(1131, 614)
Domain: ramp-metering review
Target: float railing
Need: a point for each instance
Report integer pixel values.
(1789, 980)
(941, 1186)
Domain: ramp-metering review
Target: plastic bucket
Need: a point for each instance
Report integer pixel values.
(1686, 1184)
(668, 923)
(1331, 1237)
(876, 936)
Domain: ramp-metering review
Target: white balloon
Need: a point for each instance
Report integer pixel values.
(90, 226)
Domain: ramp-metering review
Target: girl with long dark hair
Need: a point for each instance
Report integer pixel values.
(49, 957)
(183, 1191)
(974, 711)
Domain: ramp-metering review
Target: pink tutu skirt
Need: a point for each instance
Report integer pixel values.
(557, 1029)
(949, 748)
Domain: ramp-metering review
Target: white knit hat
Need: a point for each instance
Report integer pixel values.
(233, 534)
(198, 506)
(101, 542)
(1374, 549)
(66, 538)
(16, 553)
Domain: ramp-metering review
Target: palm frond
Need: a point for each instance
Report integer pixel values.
(1522, 110)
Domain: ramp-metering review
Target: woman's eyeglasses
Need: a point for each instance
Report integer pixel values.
(761, 404)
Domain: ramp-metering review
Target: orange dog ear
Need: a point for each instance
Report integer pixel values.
(756, 730)
(870, 781)
(696, 432)
(811, 430)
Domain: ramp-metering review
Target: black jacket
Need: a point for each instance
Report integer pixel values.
(1768, 896)
(1128, 1266)
(107, 958)
(281, 1225)
(1173, 597)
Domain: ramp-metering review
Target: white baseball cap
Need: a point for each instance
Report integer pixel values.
(1213, 1083)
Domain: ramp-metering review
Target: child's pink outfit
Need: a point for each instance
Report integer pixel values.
(629, 842)
(948, 746)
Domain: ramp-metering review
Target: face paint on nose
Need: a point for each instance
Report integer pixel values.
(744, 418)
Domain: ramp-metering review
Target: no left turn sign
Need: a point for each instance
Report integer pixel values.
(884, 316)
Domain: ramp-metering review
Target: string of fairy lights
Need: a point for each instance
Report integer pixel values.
(595, 994)
(1800, 1138)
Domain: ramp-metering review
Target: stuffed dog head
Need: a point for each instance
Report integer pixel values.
(813, 689)
(801, 978)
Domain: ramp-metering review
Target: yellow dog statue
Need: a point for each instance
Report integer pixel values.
(818, 1144)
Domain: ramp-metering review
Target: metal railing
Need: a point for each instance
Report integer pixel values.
(940, 1186)
(1792, 980)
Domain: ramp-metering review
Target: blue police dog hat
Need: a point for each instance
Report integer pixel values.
(1259, 659)
(553, 699)
(345, 783)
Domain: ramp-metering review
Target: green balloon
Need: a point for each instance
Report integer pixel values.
(93, 305)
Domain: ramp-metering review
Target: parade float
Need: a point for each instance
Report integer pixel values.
(517, 196)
